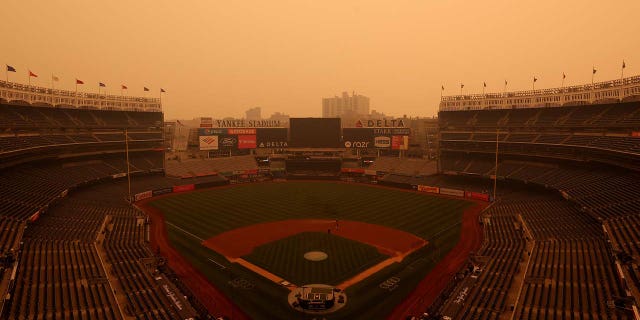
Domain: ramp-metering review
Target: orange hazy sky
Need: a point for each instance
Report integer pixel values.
(218, 58)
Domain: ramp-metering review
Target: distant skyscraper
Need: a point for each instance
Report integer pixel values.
(345, 105)
(254, 114)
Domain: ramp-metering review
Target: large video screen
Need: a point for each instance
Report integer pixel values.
(315, 133)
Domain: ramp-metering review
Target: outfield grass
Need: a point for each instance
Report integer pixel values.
(211, 212)
(285, 258)
(206, 213)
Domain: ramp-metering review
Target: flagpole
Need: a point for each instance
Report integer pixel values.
(52, 90)
(76, 93)
(621, 94)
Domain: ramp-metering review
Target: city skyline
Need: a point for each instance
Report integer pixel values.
(218, 59)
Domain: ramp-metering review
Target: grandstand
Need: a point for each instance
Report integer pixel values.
(69, 250)
(566, 250)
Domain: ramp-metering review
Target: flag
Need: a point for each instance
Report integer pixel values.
(31, 74)
(442, 88)
(79, 81)
(162, 90)
(123, 87)
(535, 79)
(102, 84)
(461, 86)
(564, 75)
(180, 123)
(623, 64)
(146, 89)
(594, 70)
(54, 78)
(505, 82)
(11, 69)
(484, 84)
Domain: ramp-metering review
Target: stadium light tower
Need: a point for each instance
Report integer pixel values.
(126, 150)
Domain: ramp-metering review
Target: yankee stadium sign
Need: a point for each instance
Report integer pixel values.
(242, 123)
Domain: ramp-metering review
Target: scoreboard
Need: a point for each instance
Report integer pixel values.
(315, 133)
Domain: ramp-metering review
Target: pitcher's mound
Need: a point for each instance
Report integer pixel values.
(315, 256)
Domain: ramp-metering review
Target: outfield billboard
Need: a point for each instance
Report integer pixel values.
(208, 142)
(244, 138)
(399, 142)
(272, 138)
(429, 189)
(452, 192)
(383, 138)
(357, 137)
(247, 141)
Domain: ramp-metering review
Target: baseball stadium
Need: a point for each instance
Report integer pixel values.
(513, 205)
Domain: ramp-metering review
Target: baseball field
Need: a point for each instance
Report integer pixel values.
(249, 242)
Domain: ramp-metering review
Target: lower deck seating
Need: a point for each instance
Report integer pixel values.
(545, 245)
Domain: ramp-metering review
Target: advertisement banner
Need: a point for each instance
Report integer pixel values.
(186, 187)
(204, 185)
(211, 132)
(227, 141)
(452, 192)
(480, 196)
(251, 171)
(246, 141)
(272, 138)
(208, 142)
(429, 189)
(635, 134)
(245, 131)
(352, 170)
(400, 142)
(382, 142)
(357, 137)
(160, 191)
(370, 172)
(401, 131)
(143, 195)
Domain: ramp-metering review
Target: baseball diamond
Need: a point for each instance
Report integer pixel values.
(257, 235)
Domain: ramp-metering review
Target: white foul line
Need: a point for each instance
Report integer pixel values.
(219, 265)
(185, 231)
(196, 237)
